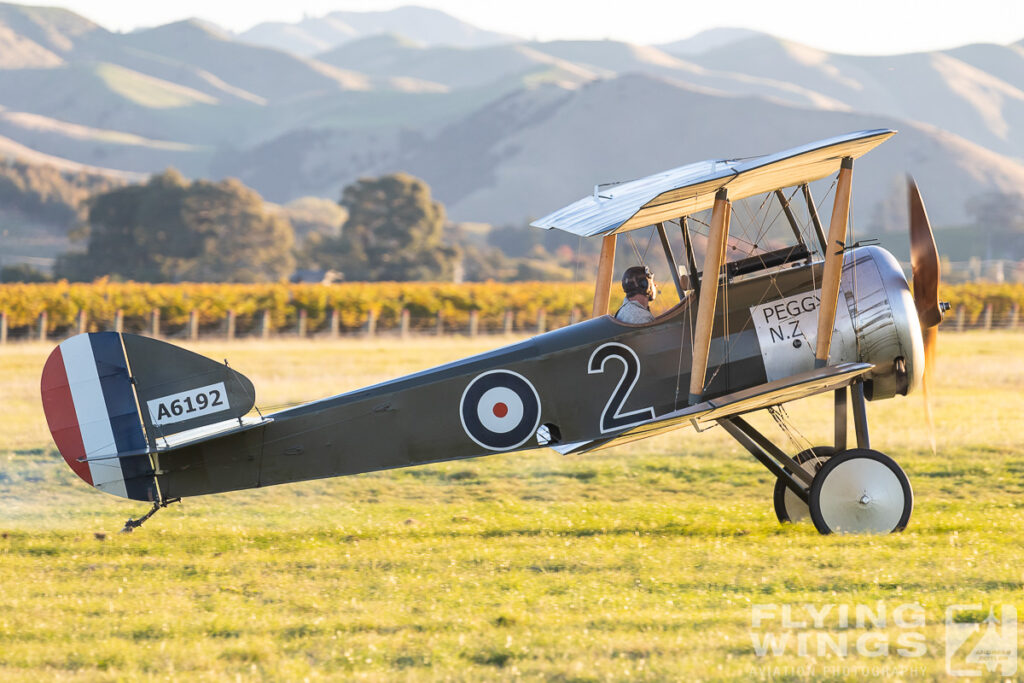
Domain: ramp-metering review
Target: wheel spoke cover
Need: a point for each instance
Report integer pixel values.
(788, 506)
(860, 491)
(794, 509)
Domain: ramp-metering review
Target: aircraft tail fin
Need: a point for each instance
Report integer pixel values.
(109, 397)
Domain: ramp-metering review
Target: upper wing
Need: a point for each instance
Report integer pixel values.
(688, 189)
(762, 396)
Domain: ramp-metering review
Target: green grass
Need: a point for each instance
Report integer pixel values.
(641, 562)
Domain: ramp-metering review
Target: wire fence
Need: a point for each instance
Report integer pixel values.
(262, 326)
(981, 270)
(401, 326)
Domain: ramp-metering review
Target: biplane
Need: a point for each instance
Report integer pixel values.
(143, 419)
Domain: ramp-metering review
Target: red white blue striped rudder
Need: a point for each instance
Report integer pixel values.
(93, 415)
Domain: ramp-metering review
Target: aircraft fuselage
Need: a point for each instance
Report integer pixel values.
(575, 384)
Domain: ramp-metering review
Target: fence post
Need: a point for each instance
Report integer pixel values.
(542, 321)
(154, 322)
(509, 318)
(119, 321)
(193, 325)
(988, 317)
(439, 329)
(333, 323)
(264, 324)
(474, 322)
(41, 331)
(3, 327)
(574, 317)
(300, 326)
(404, 330)
(81, 322)
(229, 324)
(961, 313)
(1014, 316)
(371, 323)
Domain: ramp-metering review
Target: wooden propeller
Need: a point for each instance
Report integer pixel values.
(924, 262)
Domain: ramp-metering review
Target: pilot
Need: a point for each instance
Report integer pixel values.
(638, 283)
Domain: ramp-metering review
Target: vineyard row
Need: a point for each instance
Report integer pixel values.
(56, 310)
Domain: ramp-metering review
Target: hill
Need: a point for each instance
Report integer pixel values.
(56, 30)
(318, 34)
(265, 72)
(976, 92)
(103, 147)
(392, 56)
(554, 61)
(18, 52)
(708, 40)
(106, 96)
(535, 151)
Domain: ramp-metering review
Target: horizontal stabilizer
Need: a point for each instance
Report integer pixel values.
(213, 431)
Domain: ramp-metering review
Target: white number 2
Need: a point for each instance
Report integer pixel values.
(613, 419)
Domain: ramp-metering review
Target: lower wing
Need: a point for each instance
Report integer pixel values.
(761, 396)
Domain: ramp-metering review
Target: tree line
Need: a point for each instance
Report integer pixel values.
(389, 228)
(171, 229)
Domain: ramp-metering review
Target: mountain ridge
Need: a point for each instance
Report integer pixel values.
(318, 34)
(502, 131)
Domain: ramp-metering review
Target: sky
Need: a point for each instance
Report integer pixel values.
(858, 27)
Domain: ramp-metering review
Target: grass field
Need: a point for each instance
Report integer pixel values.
(642, 562)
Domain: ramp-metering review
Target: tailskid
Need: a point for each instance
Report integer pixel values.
(133, 524)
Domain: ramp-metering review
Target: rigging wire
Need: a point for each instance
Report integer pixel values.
(636, 251)
(650, 240)
(789, 429)
(773, 280)
(641, 257)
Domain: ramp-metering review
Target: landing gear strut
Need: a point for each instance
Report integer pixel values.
(842, 490)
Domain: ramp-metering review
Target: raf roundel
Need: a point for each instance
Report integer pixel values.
(500, 410)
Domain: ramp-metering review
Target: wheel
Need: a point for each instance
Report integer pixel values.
(860, 491)
(789, 507)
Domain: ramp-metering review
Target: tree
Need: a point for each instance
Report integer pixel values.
(999, 217)
(22, 272)
(171, 230)
(237, 238)
(393, 231)
(47, 195)
(999, 211)
(315, 215)
(314, 219)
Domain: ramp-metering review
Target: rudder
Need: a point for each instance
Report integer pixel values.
(93, 416)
